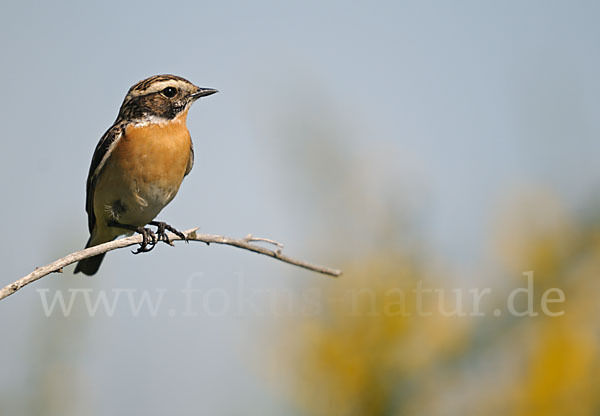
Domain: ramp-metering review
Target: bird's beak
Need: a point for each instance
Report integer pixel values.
(203, 92)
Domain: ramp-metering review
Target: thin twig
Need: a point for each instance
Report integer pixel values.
(250, 238)
(192, 235)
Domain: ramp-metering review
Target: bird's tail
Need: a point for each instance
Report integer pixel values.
(90, 265)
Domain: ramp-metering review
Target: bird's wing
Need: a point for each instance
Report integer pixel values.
(190, 164)
(101, 154)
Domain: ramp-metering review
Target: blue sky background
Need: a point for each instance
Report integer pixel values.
(445, 107)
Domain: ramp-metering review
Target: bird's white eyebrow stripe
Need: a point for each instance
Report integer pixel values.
(160, 85)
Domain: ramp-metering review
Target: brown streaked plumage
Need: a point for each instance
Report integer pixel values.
(140, 162)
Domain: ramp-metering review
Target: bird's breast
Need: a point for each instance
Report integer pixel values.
(144, 171)
(155, 154)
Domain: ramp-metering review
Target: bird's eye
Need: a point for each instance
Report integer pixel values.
(169, 92)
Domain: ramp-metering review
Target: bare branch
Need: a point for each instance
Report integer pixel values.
(192, 235)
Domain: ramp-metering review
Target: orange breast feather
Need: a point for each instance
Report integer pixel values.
(156, 153)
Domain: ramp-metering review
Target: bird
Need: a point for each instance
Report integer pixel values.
(139, 163)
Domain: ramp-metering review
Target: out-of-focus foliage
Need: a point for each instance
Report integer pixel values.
(372, 351)
(375, 354)
(560, 355)
(367, 353)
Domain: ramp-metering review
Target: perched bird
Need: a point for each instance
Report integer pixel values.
(139, 164)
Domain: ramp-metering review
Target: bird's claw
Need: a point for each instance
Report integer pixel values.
(161, 231)
(149, 240)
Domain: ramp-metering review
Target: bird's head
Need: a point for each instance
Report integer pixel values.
(160, 98)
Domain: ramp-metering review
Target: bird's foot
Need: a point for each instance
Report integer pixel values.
(149, 240)
(162, 228)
